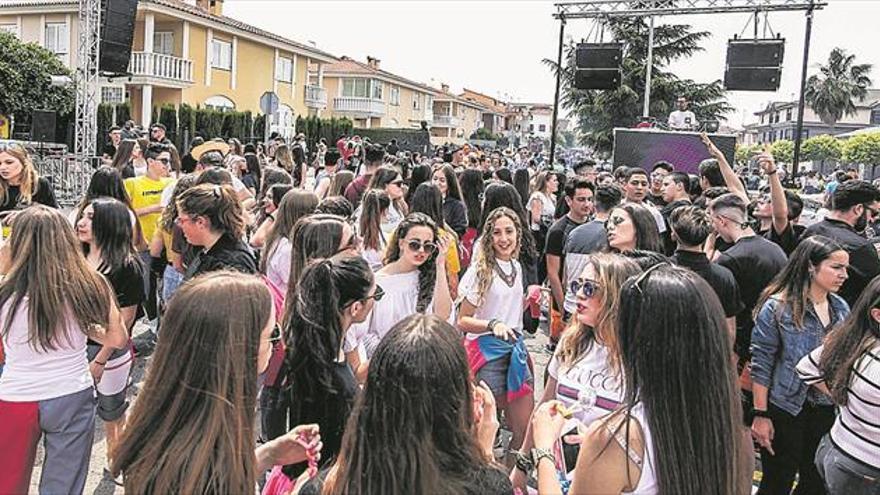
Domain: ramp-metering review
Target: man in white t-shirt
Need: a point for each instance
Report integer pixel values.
(682, 119)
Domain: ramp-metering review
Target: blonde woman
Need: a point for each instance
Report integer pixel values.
(20, 184)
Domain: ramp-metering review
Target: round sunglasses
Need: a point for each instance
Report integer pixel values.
(584, 287)
(415, 245)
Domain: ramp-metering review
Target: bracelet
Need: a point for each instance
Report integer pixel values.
(99, 363)
(523, 462)
(491, 325)
(760, 413)
(538, 454)
(771, 173)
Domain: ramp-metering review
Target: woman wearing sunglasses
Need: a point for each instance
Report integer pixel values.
(389, 179)
(491, 315)
(332, 295)
(632, 227)
(585, 369)
(416, 253)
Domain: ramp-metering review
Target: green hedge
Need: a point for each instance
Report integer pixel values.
(407, 139)
(316, 128)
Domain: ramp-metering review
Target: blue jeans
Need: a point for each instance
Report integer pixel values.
(171, 280)
(844, 475)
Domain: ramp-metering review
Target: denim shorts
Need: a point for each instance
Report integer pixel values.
(494, 373)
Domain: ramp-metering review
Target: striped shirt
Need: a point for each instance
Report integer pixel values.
(856, 429)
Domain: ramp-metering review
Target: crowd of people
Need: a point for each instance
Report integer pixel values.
(352, 319)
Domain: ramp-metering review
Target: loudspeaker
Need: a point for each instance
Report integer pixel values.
(752, 79)
(754, 65)
(755, 53)
(598, 55)
(43, 126)
(597, 78)
(117, 34)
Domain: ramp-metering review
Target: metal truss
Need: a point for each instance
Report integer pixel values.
(88, 51)
(645, 8)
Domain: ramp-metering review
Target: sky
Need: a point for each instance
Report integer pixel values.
(496, 46)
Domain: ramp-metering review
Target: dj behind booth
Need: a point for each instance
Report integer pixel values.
(644, 147)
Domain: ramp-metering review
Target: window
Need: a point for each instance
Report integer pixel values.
(429, 102)
(163, 42)
(542, 128)
(788, 114)
(358, 88)
(417, 101)
(875, 116)
(112, 94)
(221, 54)
(10, 28)
(284, 70)
(395, 95)
(377, 90)
(531, 127)
(57, 39)
(220, 103)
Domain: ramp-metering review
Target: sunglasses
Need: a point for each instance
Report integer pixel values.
(377, 296)
(165, 161)
(613, 222)
(644, 276)
(397, 182)
(584, 287)
(415, 245)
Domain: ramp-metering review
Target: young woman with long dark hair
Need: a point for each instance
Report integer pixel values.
(389, 179)
(105, 231)
(275, 261)
(266, 217)
(420, 425)
(107, 182)
(632, 227)
(333, 294)
(472, 187)
(212, 219)
(454, 210)
(792, 317)
(522, 184)
(413, 279)
(542, 212)
(51, 302)
(584, 372)
(651, 444)
(191, 429)
(419, 174)
(340, 182)
(491, 316)
(429, 200)
(374, 210)
(123, 160)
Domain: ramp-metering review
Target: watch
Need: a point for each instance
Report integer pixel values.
(760, 413)
(538, 454)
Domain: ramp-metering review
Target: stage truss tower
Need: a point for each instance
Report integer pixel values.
(87, 74)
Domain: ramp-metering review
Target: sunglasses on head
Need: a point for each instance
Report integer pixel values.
(644, 276)
(415, 245)
(584, 287)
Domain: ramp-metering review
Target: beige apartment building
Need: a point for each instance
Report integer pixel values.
(455, 118)
(373, 97)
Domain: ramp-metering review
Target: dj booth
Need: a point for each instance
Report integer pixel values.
(684, 150)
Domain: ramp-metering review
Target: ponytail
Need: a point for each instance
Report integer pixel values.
(375, 202)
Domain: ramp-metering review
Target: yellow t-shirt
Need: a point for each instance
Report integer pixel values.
(144, 192)
(453, 266)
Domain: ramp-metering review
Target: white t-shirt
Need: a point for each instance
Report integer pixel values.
(683, 120)
(588, 383)
(32, 375)
(501, 302)
(278, 264)
(401, 295)
(548, 207)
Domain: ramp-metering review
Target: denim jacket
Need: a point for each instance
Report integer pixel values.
(778, 345)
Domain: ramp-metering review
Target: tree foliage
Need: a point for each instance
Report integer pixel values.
(782, 150)
(842, 82)
(862, 149)
(822, 147)
(25, 70)
(597, 113)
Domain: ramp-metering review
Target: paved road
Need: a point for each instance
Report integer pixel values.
(98, 484)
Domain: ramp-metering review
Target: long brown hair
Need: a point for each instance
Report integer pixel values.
(486, 257)
(48, 268)
(30, 180)
(192, 428)
(611, 272)
(373, 205)
(412, 428)
(846, 344)
(295, 204)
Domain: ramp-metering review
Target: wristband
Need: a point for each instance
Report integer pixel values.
(771, 173)
(538, 454)
(760, 413)
(523, 462)
(491, 325)
(99, 363)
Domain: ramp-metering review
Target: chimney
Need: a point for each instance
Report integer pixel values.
(444, 87)
(215, 7)
(373, 62)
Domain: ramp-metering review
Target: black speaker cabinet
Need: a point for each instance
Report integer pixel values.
(597, 78)
(598, 55)
(117, 35)
(752, 78)
(43, 126)
(755, 53)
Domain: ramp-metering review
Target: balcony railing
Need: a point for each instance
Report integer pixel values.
(160, 66)
(446, 121)
(316, 96)
(352, 104)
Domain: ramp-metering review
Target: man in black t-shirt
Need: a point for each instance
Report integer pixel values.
(579, 198)
(675, 194)
(856, 203)
(690, 228)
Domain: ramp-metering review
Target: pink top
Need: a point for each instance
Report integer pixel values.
(32, 374)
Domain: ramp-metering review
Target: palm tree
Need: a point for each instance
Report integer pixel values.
(833, 94)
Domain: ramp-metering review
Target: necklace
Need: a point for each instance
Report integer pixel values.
(508, 278)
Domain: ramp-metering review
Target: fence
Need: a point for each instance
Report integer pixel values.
(69, 177)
